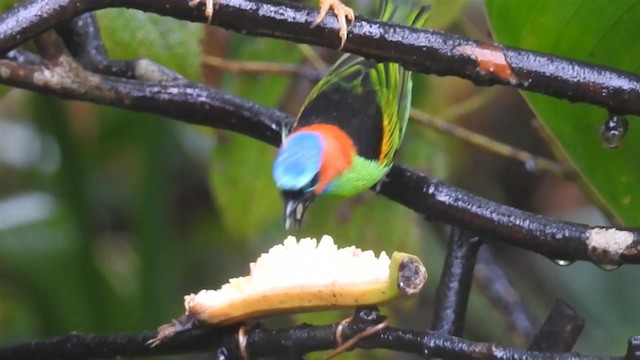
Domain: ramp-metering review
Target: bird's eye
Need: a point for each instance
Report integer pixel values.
(311, 184)
(302, 192)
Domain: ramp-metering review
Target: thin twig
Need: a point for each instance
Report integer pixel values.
(530, 161)
(258, 67)
(560, 331)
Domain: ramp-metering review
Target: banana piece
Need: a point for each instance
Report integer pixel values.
(306, 276)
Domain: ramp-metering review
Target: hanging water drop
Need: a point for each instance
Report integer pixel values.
(531, 165)
(563, 262)
(608, 267)
(613, 130)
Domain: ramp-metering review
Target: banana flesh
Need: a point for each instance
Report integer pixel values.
(307, 276)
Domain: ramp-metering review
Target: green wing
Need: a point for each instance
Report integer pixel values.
(349, 99)
(370, 101)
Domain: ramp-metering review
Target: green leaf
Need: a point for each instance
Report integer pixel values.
(240, 170)
(240, 179)
(609, 301)
(600, 32)
(366, 221)
(7, 4)
(132, 34)
(444, 13)
(265, 89)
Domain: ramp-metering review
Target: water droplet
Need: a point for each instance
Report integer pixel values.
(608, 267)
(613, 130)
(563, 262)
(531, 165)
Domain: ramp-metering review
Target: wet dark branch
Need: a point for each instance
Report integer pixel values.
(81, 36)
(560, 331)
(425, 51)
(88, 346)
(452, 295)
(191, 103)
(436, 200)
(263, 342)
(633, 348)
(23, 57)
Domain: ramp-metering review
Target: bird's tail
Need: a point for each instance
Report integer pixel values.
(407, 12)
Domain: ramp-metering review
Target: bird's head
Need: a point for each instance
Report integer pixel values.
(308, 160)
(296, 172)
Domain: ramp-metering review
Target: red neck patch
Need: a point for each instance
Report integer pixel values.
(338, 152)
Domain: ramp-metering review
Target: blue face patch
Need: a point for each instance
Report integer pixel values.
(298, 161)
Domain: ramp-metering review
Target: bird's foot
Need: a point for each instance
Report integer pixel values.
(345, 345)
(209, 7)
(342, 12)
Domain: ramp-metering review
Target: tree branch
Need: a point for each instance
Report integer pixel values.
(426, 51)
(262, 342)
(633, 348)
(454, 288)
(560, 331)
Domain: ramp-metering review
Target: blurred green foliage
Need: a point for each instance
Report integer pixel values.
(108, 217)
(599, 32)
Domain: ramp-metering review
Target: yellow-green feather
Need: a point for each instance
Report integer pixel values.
(394, 82)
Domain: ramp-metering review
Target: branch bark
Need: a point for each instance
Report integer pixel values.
(262, 342)
(454, 288)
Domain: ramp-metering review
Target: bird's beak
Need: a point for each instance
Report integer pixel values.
(294, 209)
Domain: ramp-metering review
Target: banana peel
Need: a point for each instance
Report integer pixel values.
(303, 276)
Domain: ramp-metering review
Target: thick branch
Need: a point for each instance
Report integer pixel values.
(425, 51)
(560, 331)
(555, 239)
(81, 36)
(436, 200)
(453, 291)
(633, 349)
(263, 342)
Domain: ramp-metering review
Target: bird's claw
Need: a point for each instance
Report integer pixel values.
(342, 12)
(209, 7)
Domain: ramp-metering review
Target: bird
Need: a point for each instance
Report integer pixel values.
(346, 134)
(342, 12)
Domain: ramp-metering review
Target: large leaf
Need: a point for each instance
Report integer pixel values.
(7, 4)
(130, 34)
(242, 186)
(444, 13)
(599, 32)
(240, 172)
